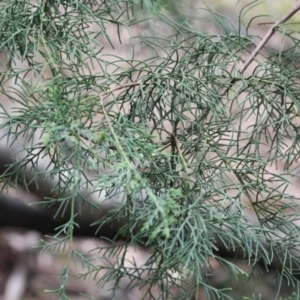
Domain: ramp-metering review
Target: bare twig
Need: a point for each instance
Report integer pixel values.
(124, 86)
(269, 35)
(262, 44)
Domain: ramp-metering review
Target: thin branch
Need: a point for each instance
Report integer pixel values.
(268, 36)
(130, 85)
(262, 44)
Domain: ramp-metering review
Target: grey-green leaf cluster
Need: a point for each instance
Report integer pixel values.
(187, 168)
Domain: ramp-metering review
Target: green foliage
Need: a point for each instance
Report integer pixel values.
(157, 133)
